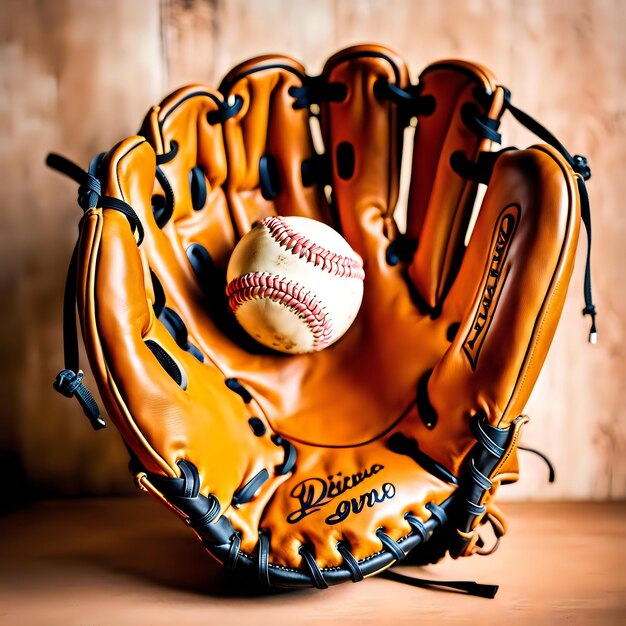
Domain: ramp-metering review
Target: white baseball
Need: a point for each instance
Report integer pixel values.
(294, 284)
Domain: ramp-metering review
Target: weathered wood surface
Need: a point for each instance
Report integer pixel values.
(76, 76)
(128, 560)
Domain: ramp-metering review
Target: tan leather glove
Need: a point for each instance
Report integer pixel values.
(321, 468)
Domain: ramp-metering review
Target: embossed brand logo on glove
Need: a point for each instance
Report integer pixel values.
(313, 493)
(502, 236)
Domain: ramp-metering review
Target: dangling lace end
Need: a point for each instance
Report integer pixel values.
(69, 384)
(468, 586)
(544, 458)
(486, 552)
(498, 532)
(580, 165)
(590, 310)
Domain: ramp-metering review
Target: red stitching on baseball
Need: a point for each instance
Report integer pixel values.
(256, 285)
(300, 244)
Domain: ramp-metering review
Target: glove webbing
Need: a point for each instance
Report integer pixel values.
(69, 380)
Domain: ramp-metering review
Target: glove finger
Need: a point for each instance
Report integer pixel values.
(163, 398)
(502, 311)
(191, 237)
(269, 144)
(451, 95)
(189, 201)
(363, 136)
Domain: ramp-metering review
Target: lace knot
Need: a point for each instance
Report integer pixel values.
(68, 381)
(89, 192)
(590, 310)
(69, 384)
(581, 166)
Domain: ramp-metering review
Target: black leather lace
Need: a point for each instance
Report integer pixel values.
(69, 381)
(580, 165)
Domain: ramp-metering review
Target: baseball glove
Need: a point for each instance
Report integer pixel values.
(321, 468)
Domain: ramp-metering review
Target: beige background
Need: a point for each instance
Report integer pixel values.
(78, 75)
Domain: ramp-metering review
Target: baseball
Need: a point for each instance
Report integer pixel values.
(294, 284)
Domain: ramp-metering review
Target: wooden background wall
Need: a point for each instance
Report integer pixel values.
(78, 75)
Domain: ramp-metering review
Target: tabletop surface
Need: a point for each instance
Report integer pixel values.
(130, 561)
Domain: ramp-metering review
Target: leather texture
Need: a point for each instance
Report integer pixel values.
(446, 336)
